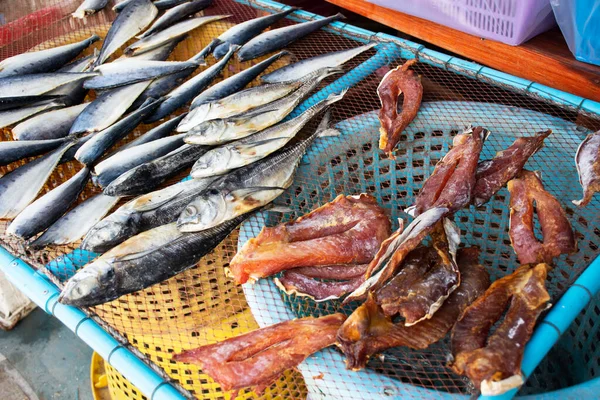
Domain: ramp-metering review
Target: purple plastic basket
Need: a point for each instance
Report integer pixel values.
(507, 21)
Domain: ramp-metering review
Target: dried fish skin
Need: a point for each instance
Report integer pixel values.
(349, 230)
(558, 236)
(259, 357)
(426, 278)
(493, 174)
(453, 179)
(587, 161)
(494, 363)
(397, 81)
(368, 331)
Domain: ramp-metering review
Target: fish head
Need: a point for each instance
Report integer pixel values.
(208, 132)
(212, 163)
(94, 284)
(206, 211)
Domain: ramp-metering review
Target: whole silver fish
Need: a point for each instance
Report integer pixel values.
(234, 83)
(39, 215)
(111, 168)
(11, 117)
(276, 39)
(14, 150)
(131, 71)
(176, 14)
(134, 18)
(88, 7)
(107, 108)
(74, 93)
(244, 31)
(247, 188)
(43, 61)
(143, 213)
(158, 132)
(181, 28)
(76, 223)
(37, 84)
(189, 89)
(166, 4)
(91, 151)
(150, 175)
(161, 53)
(224, 130)
(302, 68)
(242, 152)
(53, 124)
(237, 103)
(21, 186)
(142, 261)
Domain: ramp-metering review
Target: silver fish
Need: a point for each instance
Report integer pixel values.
(21, 186)
(242, 152)
(143, 213)
(224, 130)
(11, 150)
(37, 84)
(91, 151)
(74, 93)
(247, 188)
(189, 89)
(107, 108)
(160, 53)
(112, 167)
(131, 71)
(39, 215)
(11, 117)
(276, 39)
(158, 132)
(134, 18)
(176, 14)
(76, 223)
(237, 103)
(49, 125)
(150, 175)
(234, 83)
(43, 61)
(302, 68)
(142, 261)
(181, 28)
(165, 4)
(88, 7)
(244, 31)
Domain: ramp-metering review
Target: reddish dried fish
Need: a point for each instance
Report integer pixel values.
(344, 271)
(393, 250)
(368, 331)
(453, 179)
(259, 357)
(293, 282)
(587, 161)
(494, 363)
(426, 279)
(558, 237)
(349, 230)
(493, 174)
(395, 82)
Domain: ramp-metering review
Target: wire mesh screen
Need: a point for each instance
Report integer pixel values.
(202, 305)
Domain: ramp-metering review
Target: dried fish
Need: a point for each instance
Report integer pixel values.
(587, 161)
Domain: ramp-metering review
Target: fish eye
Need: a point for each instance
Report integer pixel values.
(190, 210)
(213, 192)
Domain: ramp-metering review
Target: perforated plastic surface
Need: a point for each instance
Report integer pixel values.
(202, 306)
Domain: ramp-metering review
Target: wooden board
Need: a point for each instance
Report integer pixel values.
(545, 59)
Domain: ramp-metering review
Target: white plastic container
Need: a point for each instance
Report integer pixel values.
(14, 305)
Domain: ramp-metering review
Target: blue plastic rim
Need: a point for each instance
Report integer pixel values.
(44, 293)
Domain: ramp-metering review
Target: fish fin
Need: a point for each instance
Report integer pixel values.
(248, 148)
(246, 194)
(279, 208)
(324, 124)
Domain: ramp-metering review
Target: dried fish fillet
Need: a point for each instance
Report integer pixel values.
(587, 161)
(368, 331)
(426, 279)
(347, 230)
(292, 282)
(493, 174)
(558, 237)
(453, 179)
(259, 357)
(494, 363)
(395, 82)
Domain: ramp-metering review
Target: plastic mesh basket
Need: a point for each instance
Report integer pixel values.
(202, 306)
